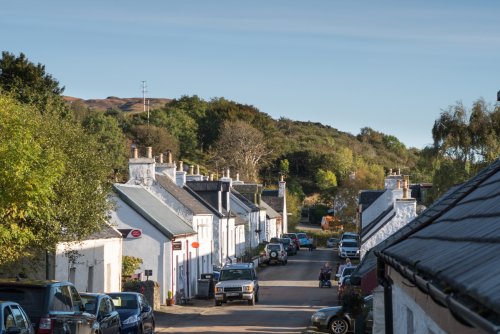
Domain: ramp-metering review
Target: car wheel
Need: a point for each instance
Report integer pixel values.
(338, 326)
(218, 303)
(252, 301)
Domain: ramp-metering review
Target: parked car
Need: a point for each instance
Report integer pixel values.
(288, 244)
(344, 271)
(337, 320)
(136, 315)
(14, 320)
(237, 282)
(332, 243)
(101, 305)
(349, 235)
(349, 248)
(53, 307)
(304, 240)
(294, 238)
(275, 253)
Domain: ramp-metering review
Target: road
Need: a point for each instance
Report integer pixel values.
(289, 295)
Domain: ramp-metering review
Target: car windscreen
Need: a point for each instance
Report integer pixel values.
(349, 244)
(302, 235)
(235, 274)
(124, 301)
(31, 299)
(90, 303)
(273, 247)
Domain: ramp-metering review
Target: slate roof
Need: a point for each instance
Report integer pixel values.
(367, 197)
(270, 212)
(108, 232)
(273, 200)
(245, 200)
(451, 250)
(183, 196)
(153, 210)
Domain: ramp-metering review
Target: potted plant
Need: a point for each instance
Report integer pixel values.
(170, 299)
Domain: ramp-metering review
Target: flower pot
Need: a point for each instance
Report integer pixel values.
(170, 301)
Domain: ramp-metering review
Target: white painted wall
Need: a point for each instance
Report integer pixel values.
(408, 314)
(104, 255)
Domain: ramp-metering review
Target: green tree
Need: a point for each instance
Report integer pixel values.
(30, 84)
(156, 137)
(53, 181)
(108, 133)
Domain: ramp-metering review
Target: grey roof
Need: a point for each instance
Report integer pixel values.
(367, 197)
(153, 210)
(365, 230)
(183, 196)
(107, 232)
(270, 212)
(450, 250)
(275, 202)
(245, 200)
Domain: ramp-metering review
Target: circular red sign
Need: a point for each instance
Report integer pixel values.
(195, 244)
(136, 233)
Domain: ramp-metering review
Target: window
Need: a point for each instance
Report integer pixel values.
(409, 320)
(77, 300)
(62, 299)
(20, 318)
(8, 318)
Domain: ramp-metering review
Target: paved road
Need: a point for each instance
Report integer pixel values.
(288, 297)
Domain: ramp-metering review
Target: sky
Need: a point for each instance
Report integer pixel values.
(393, 66)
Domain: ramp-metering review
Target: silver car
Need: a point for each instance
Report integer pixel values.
(237, 282)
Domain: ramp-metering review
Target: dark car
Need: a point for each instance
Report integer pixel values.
(294, 238)
(13, 319)
(337, 320)
(136, 314)
(52, 306)
(288, 244)
(102, 307)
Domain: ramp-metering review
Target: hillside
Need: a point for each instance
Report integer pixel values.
(132, 105)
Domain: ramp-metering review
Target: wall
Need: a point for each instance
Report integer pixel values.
(104, 255)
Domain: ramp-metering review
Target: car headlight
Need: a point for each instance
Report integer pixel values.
(247, 288)
(130, 320)
(319, 315)
(219, 289)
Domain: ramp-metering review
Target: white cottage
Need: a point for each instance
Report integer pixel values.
(94, 264)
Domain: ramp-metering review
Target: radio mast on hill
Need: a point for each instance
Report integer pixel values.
(144, 91)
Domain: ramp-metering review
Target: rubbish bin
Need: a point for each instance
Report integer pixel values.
(203, 288)
(206, 285)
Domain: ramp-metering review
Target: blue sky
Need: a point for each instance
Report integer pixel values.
(389, 65)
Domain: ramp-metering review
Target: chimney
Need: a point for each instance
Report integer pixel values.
(141, 170)
(399, 185)
(180, 176)
(281, 187)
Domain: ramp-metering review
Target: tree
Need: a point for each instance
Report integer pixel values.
(158, 138)
(241, 148)
(108, 133)
(53, 181)
(30, 84)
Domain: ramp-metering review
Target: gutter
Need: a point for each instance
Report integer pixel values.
(456, 307)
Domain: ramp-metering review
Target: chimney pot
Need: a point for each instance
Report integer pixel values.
(181, 168)
(282, 178)
(169, 157)
(191, 169)
(149, 152)
(399, 184)
(161, 158)
(228, 172)
(211, 176)
(237, 176)
(197, 169)
(390, 171)
(136, 153)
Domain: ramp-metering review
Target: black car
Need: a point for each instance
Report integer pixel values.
(136, 315)
(53, 307)
(288, 245)
(13, 319)
(103, 308)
